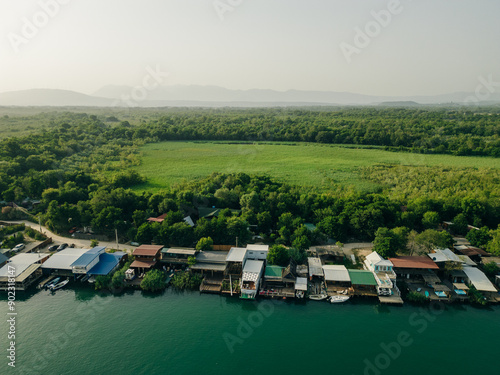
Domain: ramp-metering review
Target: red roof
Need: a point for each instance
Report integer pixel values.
(142, 264)
(148, 250)
(414, 262)
(471, 251)
(480, 251)
(158, 219)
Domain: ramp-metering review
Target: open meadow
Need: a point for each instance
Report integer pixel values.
(314, 165)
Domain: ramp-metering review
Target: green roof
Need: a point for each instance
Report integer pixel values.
(362, 277)
(273, 271)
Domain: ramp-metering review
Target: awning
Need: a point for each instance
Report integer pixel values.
(142, 264)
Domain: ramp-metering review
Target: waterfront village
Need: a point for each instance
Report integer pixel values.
(330, 273)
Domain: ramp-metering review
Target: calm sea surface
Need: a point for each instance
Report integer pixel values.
(79, 331)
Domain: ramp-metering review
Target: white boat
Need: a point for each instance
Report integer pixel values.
(59, 285)
(338, 299)
(318, 297)
(52, 283)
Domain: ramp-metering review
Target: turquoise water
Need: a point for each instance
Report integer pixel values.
(83, 332)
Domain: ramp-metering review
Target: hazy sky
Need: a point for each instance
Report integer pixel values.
(427, 46)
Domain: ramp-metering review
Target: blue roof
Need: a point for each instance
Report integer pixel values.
(107, 262)
(3, 258)
(88, 257)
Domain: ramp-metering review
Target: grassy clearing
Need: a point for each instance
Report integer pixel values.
(316, 165)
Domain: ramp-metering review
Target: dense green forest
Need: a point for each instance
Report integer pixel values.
(80, 169)
(457, 132)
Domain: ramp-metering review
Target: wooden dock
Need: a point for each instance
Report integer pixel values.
(45, 281)
(395, 299)
(211, 285)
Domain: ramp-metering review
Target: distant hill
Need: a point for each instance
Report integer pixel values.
(51, 97)
(214, 96)
(399, 104)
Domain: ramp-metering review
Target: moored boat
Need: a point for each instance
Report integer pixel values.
(59, 285)
(52, 283)
(338, 299)
(318, 297)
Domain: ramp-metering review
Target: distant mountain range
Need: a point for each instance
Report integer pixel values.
(214, 96)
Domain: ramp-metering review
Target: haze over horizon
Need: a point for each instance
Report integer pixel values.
(415, 47)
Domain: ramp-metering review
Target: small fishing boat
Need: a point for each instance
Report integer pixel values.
(318, 297)
(57, 286)
(169, 277)
(338, 299)
(52, 283)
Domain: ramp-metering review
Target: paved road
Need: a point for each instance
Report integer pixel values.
(69, 240)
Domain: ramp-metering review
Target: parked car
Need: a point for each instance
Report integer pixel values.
(62, 246)
(53, 247)
(18, 247)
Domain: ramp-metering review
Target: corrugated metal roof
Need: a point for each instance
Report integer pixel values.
(445, 255)
(88, 257)
(212, 256)
(315, 266)
(179, 251)
(142, 264)
(301, 283)
(107, 262)
(64, 259)
(479, 280)
(27, 272)
(362, 277)
(255, 247)
(254, 266)
(274, 271)
(209, 266)
(236, 254)
(336, 273)
(465, 259)
(21, 262)
(419, 262)
(377, 260)
(147, 250)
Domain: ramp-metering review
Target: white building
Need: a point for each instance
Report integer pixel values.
(257, 252)
(250, 280)
(61, 263)
(384, 274)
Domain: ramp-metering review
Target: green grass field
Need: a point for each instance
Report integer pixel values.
(316, 165)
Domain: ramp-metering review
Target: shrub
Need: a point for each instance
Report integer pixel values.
(416, 297)
(186, 280)
(153, 280)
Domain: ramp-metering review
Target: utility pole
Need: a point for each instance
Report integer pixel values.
(116, 234)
